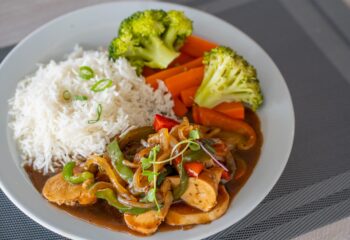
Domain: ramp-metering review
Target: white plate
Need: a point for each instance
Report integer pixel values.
(95, 26)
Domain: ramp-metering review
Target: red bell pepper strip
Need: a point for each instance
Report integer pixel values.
(163, 122)
(193, 169)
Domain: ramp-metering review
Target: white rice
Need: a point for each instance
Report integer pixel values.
(51, 131)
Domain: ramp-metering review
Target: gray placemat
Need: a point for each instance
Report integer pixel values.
(314, 189)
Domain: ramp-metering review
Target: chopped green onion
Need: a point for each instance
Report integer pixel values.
(99, 112)
(81, 98)
(66, 95)
(102, 85)
(86, 72)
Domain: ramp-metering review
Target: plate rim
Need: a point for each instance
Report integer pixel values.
(211, 232)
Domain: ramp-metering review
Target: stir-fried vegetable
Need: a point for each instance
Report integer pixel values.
(199, 156)
(212, 118)
(193, 169)
(75, 179)
(163, 122)
(114, 178)
(182, 187)
(135, 135)
(117, 158)
(108, 195)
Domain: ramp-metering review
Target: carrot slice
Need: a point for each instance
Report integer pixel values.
(212, 118)
(179, 107)
(162, 75)
(187, 95)
(195, 114)
(233, 109)
(196, 46)
(180, 60)
(182, 81)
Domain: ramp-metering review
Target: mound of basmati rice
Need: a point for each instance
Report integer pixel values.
(51, 130)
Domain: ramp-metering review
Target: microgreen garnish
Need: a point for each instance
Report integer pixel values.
(194, 135)
(151, 175)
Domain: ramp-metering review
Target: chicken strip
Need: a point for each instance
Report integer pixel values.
(181, 214)
(201, 192)
(59, 191)
(148, 222)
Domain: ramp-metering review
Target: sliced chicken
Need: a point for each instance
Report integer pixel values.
(201, 192)
(59, 191)
(182, 214)
(148, 222)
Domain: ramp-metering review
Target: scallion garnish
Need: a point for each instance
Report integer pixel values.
(66, 95)
(86, 72)
(80, 98)
(99, 112)
(102, 85)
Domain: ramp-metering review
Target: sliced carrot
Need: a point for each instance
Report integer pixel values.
(212, 118)
(147, 71)
(162, 75)
(196, 46)
(182, 81)
(179, 107)
(180, 60)
(232, 109)
(187, 95)
(241, 168)
(195, 114)
(193, 169)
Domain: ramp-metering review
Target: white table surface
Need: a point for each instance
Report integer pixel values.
(20, 17)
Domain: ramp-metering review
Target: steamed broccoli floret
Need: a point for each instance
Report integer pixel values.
(179, 28)
(228, 78)
(151, 38)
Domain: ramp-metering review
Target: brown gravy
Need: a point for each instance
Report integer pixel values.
(106, 216)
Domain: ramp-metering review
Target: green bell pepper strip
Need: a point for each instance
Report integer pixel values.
(197, 156)
(108, 195)
(117, 158)
(182, 187)
(163, 174)
(135, 135)
(79, 178)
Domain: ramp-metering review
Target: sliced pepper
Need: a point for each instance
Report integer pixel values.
(163, 174)
(193, 169)
(108, 195)
(117, 158)
(75, 179)
(135, 135)
(182, 187)
(163, 122)
(198, 156)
